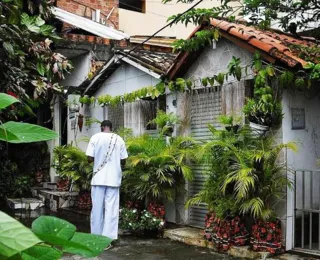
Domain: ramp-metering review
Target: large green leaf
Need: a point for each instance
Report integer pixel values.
(95, 244)
(6, 100)
(15, 132)
(53, 226)
(14, 237)
(41, 252)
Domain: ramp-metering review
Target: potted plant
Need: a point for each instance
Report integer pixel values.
(155, 168)
(224, 224)
(71, 163)
(165, 122)
(258, 179)
(231, 122)
(263, 111)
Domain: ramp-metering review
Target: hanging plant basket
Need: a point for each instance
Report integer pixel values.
(266, 236)
(259, 130)
(227, 232)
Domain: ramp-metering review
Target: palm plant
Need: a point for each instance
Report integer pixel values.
(71, 163)
(216, 154)
(165, 122)
(244, 173)
(155, 168)
(258, 177)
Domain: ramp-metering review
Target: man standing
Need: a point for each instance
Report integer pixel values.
(108, 152)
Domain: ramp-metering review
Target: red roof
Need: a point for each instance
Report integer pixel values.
(274, 45)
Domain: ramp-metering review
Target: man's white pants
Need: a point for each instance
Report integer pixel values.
(105, 211)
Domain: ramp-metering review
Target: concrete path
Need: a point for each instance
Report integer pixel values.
(156, 249)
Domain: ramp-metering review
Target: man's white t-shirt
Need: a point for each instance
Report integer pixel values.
(100, 146)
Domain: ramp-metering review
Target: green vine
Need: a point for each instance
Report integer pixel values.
(262, 75)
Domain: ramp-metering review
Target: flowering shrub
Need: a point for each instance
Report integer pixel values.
(266, 236)
(156, 210)
(140, 222)
(128, 218)
(225, 232)
(150, 222)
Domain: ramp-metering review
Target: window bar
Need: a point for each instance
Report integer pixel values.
(310, 214)
(302, 219)
(295, 209)
(319, 219)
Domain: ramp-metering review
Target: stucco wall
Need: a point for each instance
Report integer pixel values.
(209, 63)
(80, 72)
(124, 80)
(308, 141)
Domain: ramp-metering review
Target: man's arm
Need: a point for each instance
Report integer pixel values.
(90, 150)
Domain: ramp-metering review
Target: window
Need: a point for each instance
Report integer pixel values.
(133, 5)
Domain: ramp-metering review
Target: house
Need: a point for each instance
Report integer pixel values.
(100, 71)
(128, 71)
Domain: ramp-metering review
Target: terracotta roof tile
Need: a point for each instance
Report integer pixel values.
(276, 44)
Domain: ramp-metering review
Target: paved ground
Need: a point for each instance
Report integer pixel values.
(156, 249)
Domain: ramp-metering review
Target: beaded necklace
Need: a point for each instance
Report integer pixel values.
(109, 153)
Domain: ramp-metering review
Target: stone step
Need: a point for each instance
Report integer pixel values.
(50, 185)
(24, 203)
(55, 200)
(194, 237)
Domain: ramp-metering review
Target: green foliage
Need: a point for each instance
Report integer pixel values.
(156, 169)
(234, 68)
(71, 163)
(165, 122)
(150, 91)
(216, 154)
(265, 107)
(133, 220)
(124, 132)
(91, 120)
(197, 16)
(49, 238)
(201, 39)
(314, 71)
(244, 173)
(230, 120)
(264, 111)
(87, 100)
(274, 10)
(16, 132)
(28, 66)
(258, 177)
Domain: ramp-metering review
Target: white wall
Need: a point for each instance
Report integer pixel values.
(80, 72)
(124, 80)
(155, 17)
(308, 141)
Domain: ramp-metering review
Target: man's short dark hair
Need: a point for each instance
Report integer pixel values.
(106, 123)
